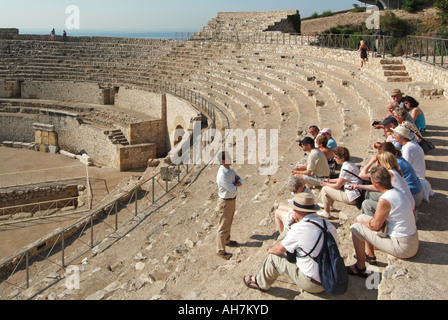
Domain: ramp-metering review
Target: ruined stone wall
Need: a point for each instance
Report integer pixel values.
(135, 156)
(63, 91)
(179, 114)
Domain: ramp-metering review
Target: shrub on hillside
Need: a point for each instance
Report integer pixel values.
(442, 6)
(327, 13)
(413, 5)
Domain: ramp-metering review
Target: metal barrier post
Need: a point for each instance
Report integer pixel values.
(62, 249)
(27, 270)
(136, 200)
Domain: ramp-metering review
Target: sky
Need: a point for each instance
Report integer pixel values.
(141, 15)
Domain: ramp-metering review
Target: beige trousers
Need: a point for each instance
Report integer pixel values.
(226, 213)
(329, 195)
(274, 266)
(402, 248)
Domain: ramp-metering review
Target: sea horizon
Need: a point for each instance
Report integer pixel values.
(161, 34)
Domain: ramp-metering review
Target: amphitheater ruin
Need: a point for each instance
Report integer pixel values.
(116, 104)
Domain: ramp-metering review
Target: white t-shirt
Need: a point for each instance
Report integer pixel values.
(401, 184)
(304, 235)
(349, 178)
(414, 154)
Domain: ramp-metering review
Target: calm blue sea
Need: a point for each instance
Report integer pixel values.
(120, 34)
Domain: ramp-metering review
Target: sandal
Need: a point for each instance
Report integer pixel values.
(251, 282)
(225, 255)
(359, 272)
(369, 259)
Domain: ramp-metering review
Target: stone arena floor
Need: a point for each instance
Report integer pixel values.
(15, 236)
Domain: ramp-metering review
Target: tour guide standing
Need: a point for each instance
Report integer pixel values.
(228, 183)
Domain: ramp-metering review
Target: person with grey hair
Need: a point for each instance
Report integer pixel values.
(283, 214)
(392, 229)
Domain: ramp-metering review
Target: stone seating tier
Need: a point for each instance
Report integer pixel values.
(240, 89)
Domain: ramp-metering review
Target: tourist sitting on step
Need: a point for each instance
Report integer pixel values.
(316, 169)
(389, 124)
(299, 241)
(321, 142)
(388, 161)
(412, 106)
(331, 142)
(284, 214)
(397, 97)
(392, 229)
(333, 189)
(414, 154)
(408, 171)
(314, 131)
(402, 115)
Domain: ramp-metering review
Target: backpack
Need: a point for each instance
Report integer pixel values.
(332, 271)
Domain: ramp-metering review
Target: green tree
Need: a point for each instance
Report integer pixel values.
(442, 6)
(413, 5)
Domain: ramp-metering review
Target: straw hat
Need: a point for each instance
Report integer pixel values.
(403, 132)
(304, 202)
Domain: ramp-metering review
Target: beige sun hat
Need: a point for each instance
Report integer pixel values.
(403, 132)
(304, 202)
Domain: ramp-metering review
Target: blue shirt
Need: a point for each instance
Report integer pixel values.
(410, 176)
(332, 144)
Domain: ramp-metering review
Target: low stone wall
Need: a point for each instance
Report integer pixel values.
(28, 196)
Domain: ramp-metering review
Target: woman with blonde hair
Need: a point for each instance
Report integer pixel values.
(364, 50)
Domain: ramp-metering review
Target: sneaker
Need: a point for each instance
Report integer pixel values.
(323, 214)
(322, 206)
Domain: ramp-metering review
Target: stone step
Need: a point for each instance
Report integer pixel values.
(399, 79)
(396, 73)
(394, 67)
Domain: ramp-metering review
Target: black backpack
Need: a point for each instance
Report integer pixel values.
(332, 271)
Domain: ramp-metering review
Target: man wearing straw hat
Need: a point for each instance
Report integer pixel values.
(300, 240)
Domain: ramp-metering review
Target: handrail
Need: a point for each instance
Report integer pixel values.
(381, 47)
(430, 50)
(140, 200)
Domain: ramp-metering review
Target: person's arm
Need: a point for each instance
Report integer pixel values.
(381, 214)
(334, 183)
(226, 182)
(277, 249)
(365, 174)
